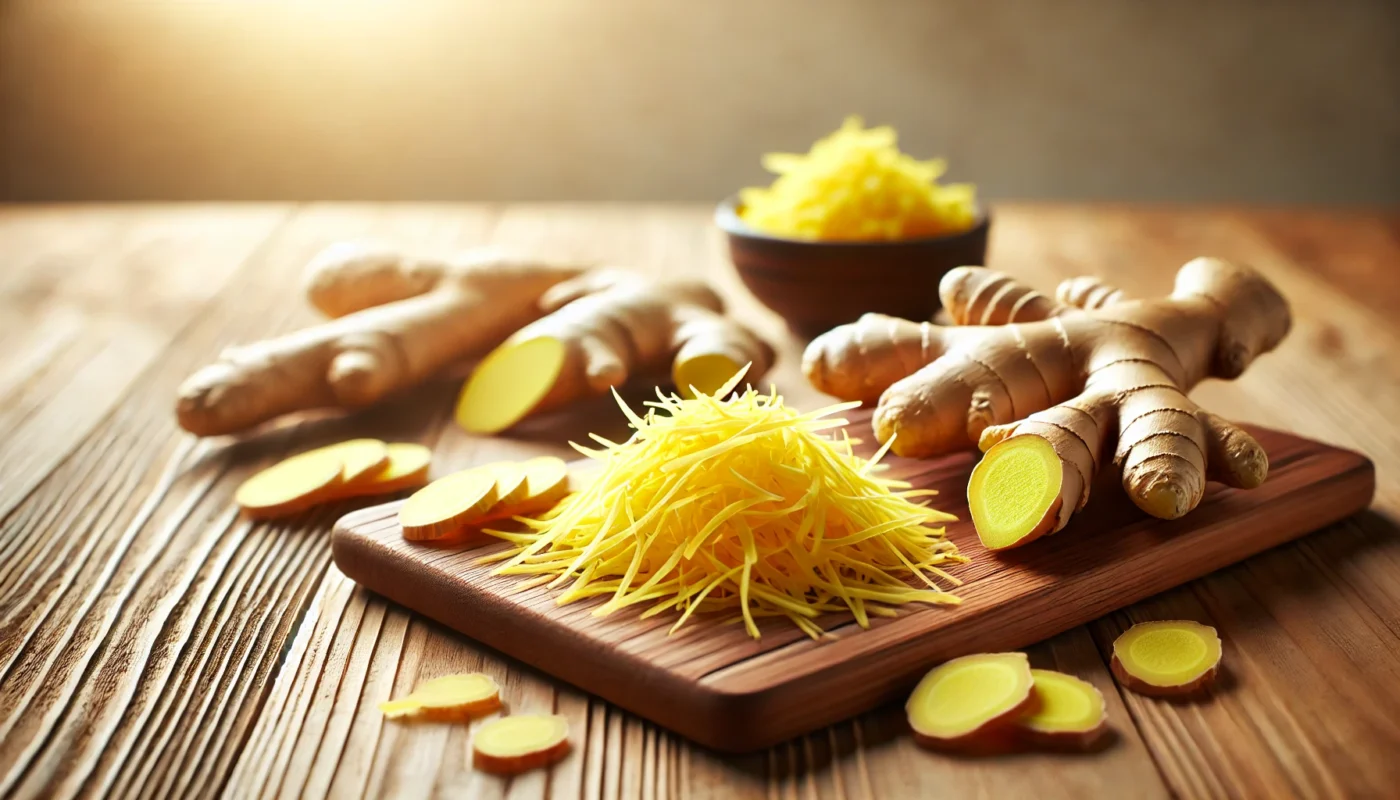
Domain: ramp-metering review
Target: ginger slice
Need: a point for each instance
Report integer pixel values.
(1173, 657)
(291, 485)
(966, 698)
(451, 698)
(511, 488)
(441, 508)
(515, 744)
(1064, 711)
(360, 460)
(510, 383)
(546, 482)
(1014, 492)
(406, 468)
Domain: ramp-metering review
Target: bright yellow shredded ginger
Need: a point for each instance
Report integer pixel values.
(855, 184)
(741, 505)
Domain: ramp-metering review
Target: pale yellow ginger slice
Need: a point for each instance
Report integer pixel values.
(443, 507)
(970, 698)
(1065, 712)
(291, 485)
(406, 468)
(450, 698)
(515, 744)
(1173, 657)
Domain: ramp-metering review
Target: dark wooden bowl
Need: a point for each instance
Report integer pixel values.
(816, 285)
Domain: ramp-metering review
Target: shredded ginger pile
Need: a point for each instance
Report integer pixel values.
(741, 505)
(855, 184)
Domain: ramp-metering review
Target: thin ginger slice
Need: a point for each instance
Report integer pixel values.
(444, 506)
(451, 698)
(291, 485)
(1065, 711)
(406, 468)
(546, 481)
(1167, 658)
(969, 698)
(515, 744)
(511, 487)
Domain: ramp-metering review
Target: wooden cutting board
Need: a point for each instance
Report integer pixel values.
(714, 684)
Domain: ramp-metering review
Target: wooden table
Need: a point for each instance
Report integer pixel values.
(153, 643)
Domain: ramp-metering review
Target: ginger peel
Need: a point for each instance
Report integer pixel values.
(396, 321)
(1075, 373)
(602, 329)
(1166, 659)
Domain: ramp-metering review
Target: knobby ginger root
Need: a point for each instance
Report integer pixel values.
(1041, 385)
(1167, 658)
(442, 508)
(740, 505)
(1064, 712)
(292, 485)
(521, 742)
(967, 699)
(399, 320)
(603, 328)
(451, 698)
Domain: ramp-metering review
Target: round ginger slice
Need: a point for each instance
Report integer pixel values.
(406, 468)
(451, 698)
(1065, 711)
(967, 698)
(509, 383)
(546, 481)
(360, 458)
(515, 744)
(1014, 492)
(1169, 658)
(511, 487)
(441, 508)
(291, 485)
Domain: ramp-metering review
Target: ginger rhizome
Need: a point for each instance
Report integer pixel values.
(512, 745)
(398, 320)
(450, 698)
(742, 506)
(1169, 658)
(602, 329)
(355, 468)
(963, 702)
(1040, 386)
(1065, 711)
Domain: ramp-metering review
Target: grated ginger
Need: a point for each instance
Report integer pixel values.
(855, 184)
(741, 505)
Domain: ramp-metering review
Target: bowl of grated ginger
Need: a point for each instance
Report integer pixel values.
(850, 227)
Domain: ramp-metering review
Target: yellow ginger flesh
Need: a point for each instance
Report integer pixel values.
(743, 506)
(855, 184)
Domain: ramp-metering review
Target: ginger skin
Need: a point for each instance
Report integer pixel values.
(1073, 373)
(601, 329)
(397, 321)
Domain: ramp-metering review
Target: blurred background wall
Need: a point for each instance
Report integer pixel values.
(1231, 100)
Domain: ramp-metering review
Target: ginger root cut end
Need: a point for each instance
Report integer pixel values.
(1014, 492)
(512, 381)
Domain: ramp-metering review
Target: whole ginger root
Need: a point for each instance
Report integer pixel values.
(1041, 385)
(398, 320)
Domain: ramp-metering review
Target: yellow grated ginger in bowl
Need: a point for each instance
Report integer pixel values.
(856, 185)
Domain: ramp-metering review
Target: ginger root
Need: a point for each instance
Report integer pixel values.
(603, 328)
(515, 744)
(969, 699)
(398, 321)
(1065, 711)
(1041, 385)
(451, 698)
(1165, 659)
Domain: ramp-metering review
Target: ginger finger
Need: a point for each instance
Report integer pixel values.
(291, 485)
(1065, 712)
(968, 698)
(515, 744)
(599, 340)
(1166, 659)
(451, 698)
(444, 506)
(406, 467)
(411, 320)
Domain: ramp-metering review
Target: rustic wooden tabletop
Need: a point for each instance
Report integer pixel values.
(155, 644)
